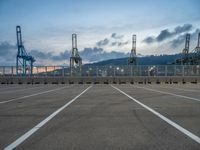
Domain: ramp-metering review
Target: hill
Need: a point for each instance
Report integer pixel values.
(145, 60)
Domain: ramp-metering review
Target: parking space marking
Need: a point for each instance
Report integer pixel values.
(14, 99)
(42, 123)
(170, 122)
(186, 90)
(177, 95)
(27, 88)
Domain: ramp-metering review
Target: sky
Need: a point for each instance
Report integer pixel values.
(104, 28)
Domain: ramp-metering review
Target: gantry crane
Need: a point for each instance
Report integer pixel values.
(190, 58)
(196, 52)
(132, 58)
(24, 62)
(75, 59)
(185, 58)
(185, 52)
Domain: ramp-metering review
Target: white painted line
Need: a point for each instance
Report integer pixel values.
(14, 99)
(27, 88)
(187, 90)
(175, 125)
(177, 95)
(42, 123)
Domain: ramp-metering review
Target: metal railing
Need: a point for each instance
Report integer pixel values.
(108, 71)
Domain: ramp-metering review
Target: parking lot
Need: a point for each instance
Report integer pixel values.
(100, 117)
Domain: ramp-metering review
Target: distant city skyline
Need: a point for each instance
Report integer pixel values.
(104, 28)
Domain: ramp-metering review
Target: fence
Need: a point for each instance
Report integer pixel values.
(108, 71)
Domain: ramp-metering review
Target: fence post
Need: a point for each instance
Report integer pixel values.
(45, 70)
(183, 70)
(12, 70)
(156, 70)
(140, 71)
(166, 71)
(174, 70)
(37, 71)
(54, 70)
(131, 70)
(63, 71)
(3, 70)
(114, 71)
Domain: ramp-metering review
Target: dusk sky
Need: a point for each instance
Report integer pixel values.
(104, 28)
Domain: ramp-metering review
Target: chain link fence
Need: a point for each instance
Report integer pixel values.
(108, 71)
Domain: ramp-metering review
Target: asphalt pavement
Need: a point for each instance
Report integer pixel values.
(108, 117)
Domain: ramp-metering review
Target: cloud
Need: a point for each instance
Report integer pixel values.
(114, 40)
(89, 54)
(166, 34)
(181, 39)
(102, 42)
(40, 54)
(98, 54)
(62, 56)
(7, 48)
(178, 41)
(8, 51)
(119, 43)
(184, 28)
(149, 40)
(116, 36)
